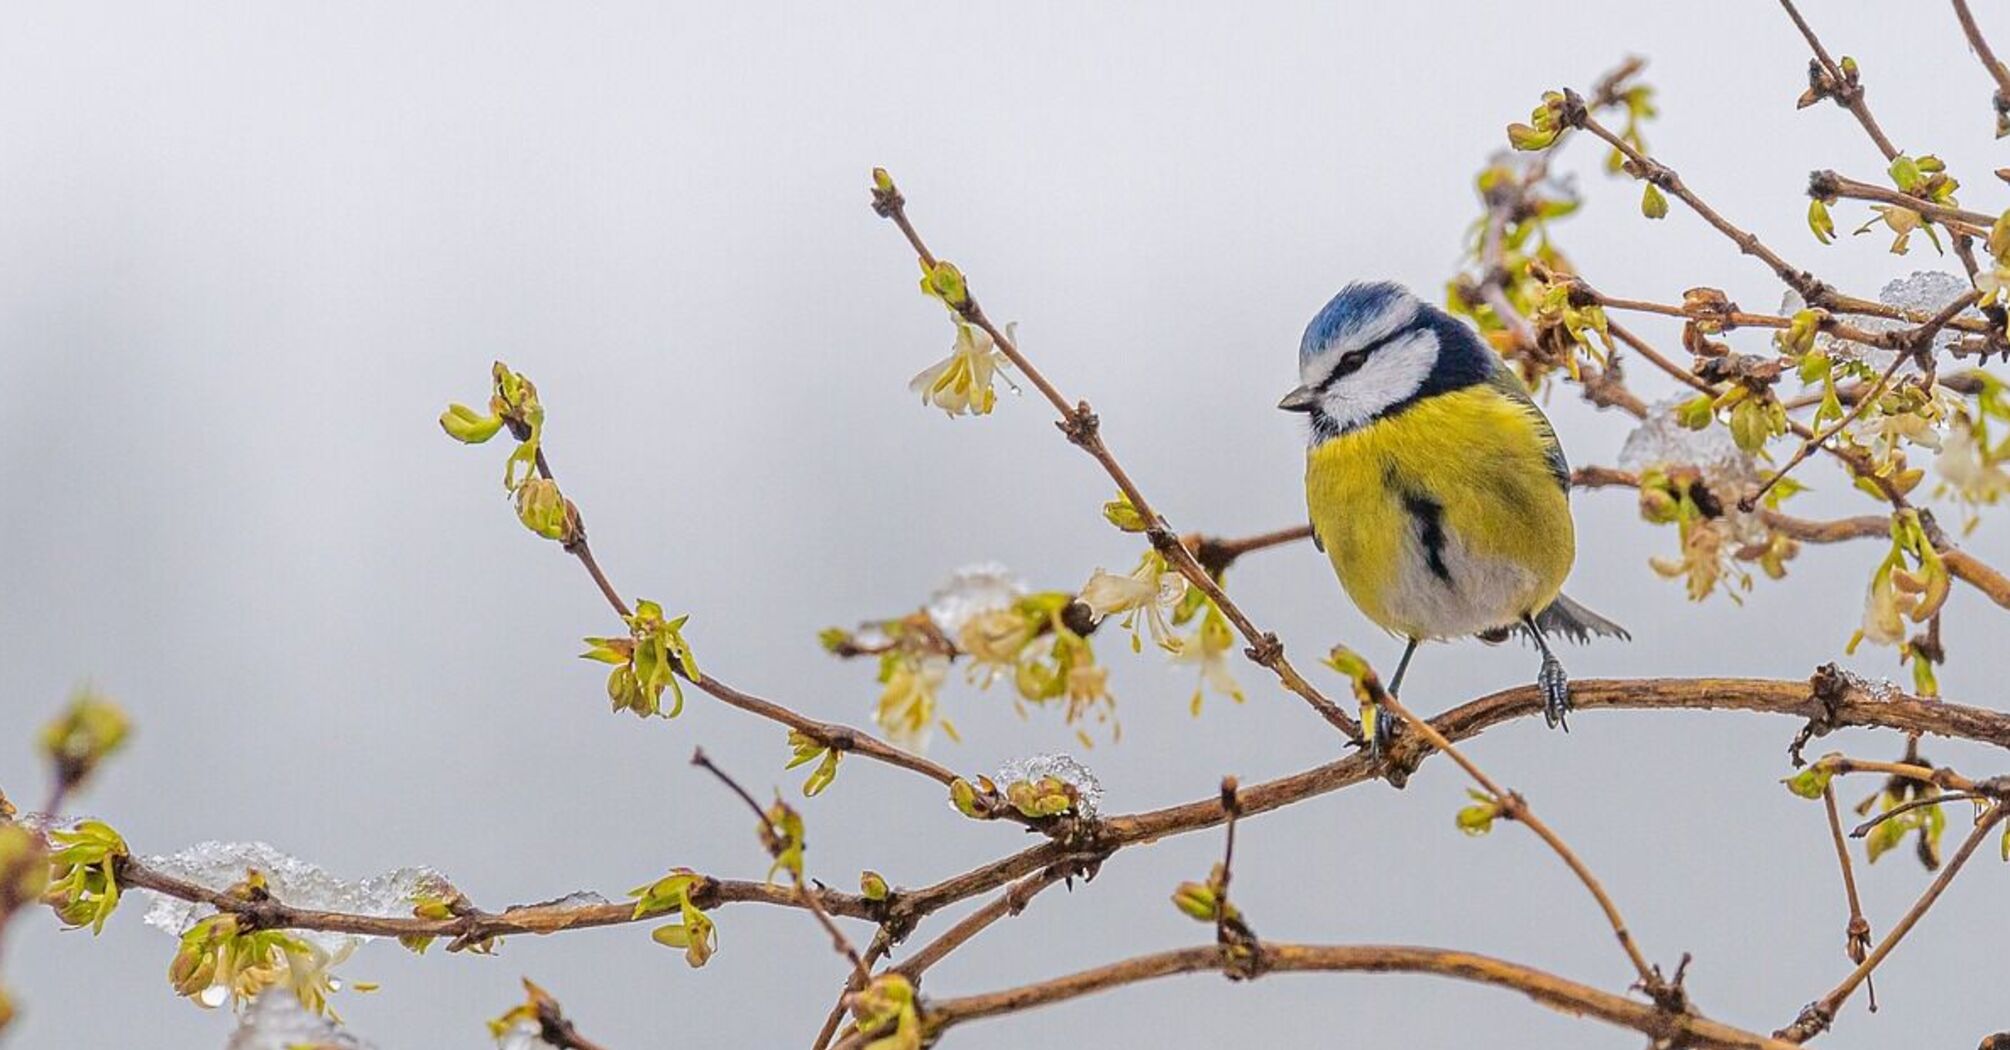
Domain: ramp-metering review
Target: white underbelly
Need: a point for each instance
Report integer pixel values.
(1481, 592)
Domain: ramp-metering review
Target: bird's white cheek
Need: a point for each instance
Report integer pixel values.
(1390, 377)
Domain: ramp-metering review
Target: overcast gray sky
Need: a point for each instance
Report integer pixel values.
(252, 249)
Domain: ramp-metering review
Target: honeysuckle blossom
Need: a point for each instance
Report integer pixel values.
(962, 383)
(1152, 589)
(906, 708)
(994, 641)
(1970, 470)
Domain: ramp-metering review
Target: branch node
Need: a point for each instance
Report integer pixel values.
(1828, 688)
(1267, 650)
(1080, 425)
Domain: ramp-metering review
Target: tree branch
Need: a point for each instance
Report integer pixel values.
(1564, 996)
(1990, 64)
(1816, 1016)
(1084, 429)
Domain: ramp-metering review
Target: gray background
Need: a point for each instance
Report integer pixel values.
(251, 250)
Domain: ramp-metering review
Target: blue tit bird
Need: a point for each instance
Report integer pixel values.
(1436, 486)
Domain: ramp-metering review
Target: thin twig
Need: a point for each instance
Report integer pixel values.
(1906, 807)
(1984, 52)
(842, 738)
(1816, 1016)
(1845, 89)
(853, 983)
(1856, 933)
(775, 839)
(1011, 902)
(1514, 807)
(1808, 447)
(1084, 429)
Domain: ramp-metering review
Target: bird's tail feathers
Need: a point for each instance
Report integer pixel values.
(1563, 618)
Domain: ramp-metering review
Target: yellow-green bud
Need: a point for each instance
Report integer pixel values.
(964, 797)
(1819, 221)
(543, 510)
(872, 885)
(468, 426)
(1652, 203)
(1124, 515)
(1478, 818)
(88, 731)
(1197, 899)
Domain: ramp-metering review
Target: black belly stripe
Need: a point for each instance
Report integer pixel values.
(1430, 517)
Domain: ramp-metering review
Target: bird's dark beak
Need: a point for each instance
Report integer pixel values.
(1303, 399)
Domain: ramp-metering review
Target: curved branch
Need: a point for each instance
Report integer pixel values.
(1557, 993)
(1831, 700)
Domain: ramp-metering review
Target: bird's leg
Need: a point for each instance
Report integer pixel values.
(1385, 728)
(1551, 680)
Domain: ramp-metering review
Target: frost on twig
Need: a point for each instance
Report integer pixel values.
(276, 1021)
(291, 881)
(1662, 441)
(970, 591)
(1088, 791)
(1922, 293)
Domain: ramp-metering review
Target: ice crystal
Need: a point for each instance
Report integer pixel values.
(1088, 790)
(219, 865)
(1922, 293)
(1875, 688)
(276, 1021)
(1661, 441)
(973, 589)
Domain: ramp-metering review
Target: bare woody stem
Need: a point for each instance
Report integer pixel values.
(1565, 996)
(773, 836)
(1084, 429)
(1645, 167)
(1515, 808)
(1845, 89)
(833, 735)
(1808, 447)
(1856, 932)
(1984, 52)
(1959, 220)
(1011, 902)
(1817, 1016)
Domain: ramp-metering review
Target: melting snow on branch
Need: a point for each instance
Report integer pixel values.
(277, 1021)
(295, 882)
(1088, 789)
(974, 589)
(1923, 292)
(1661, 441)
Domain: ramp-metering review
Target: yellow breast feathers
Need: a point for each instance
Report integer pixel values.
(1449, 517)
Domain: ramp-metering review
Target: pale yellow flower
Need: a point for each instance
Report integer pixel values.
(1151, 589)
(1884, 609)
(906, 708)
(993, 640)
(1970, 472)
(962, 383)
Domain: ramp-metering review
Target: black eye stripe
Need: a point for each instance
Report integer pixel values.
(1351, 361)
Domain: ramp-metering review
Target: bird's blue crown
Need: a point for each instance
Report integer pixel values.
(1358, 306)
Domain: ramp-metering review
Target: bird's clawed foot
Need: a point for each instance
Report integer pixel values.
(1384, 734)
(1555, 687)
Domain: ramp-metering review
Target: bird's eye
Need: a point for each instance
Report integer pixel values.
(1350, 363)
